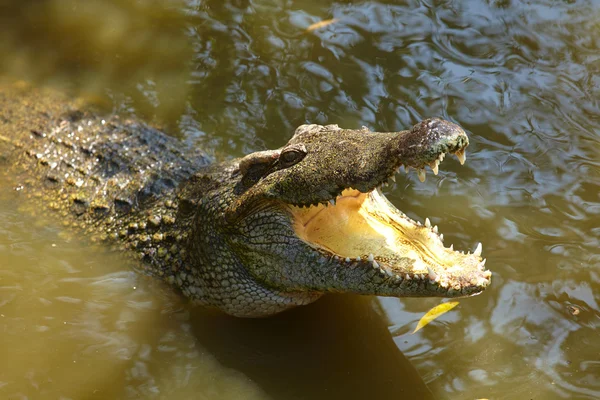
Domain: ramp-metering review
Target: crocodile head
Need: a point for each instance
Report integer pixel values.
(310, 218)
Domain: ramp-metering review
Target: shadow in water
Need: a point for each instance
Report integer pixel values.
(339, 347)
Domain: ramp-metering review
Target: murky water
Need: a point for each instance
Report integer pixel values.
(236, 76)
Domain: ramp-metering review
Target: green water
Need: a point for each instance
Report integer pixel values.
(238, 76)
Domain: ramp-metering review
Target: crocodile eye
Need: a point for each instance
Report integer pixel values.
(292, 156)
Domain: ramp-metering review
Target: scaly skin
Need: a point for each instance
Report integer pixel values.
(251, 236)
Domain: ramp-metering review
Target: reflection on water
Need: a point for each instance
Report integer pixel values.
(236, 76)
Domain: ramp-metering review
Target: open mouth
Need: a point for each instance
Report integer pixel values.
(365, 230)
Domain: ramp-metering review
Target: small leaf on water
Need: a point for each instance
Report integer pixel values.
(435, 312)
(321, 24)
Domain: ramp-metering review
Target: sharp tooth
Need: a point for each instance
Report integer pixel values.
(370, 258)
(435, 229)
(407, 277)
(452, 247)
(398, 277)
(478, 249)
(441, 236)
(393, 178)
(332, 202)
(460, 154)
(482, 264)
(418, 223)
(481, 281)
(434, 167)
(375, 264)
(347, 259)
(422, 277)
(427, 223)
(358, 258)
(421, 174)
(441, 157)
(432, 275)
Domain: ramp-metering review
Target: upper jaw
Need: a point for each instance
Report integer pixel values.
(337, 159)
(431, 159)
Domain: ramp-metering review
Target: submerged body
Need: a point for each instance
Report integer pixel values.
(252, 236)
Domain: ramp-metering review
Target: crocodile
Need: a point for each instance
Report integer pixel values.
(251, 236)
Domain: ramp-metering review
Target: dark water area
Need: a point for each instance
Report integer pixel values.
(233, 77)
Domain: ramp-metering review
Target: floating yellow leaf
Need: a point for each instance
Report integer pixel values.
(321, 24)
(435, 312)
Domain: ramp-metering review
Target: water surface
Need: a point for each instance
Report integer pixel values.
(238, 76)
